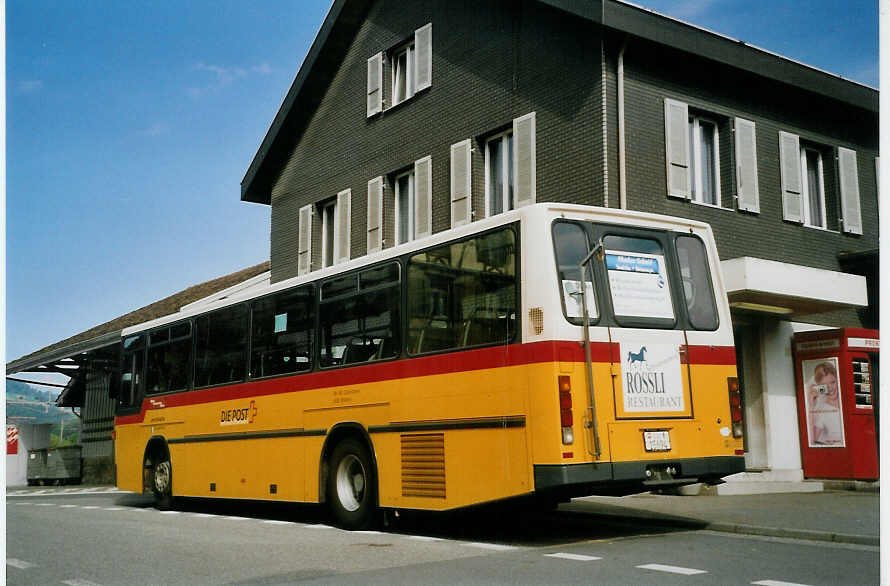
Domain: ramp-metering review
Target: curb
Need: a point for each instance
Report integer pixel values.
(794, 533)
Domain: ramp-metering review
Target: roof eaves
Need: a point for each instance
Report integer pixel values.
(337, 30)
(40, 358)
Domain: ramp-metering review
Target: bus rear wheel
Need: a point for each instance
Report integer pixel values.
(352, 485)
(162, 481)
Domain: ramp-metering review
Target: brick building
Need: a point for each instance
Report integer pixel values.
(410, 119)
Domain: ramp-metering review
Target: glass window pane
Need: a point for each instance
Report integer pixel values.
(697, 290)
(814, 188)
(462, 294)
(361, 327)
(707, 153)
(168, 367)
(571, 247)
(221, 346)
(337, 287)
(404, 197)
(281, 334)
(495, 177)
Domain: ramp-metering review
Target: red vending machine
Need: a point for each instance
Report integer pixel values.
(837, 392)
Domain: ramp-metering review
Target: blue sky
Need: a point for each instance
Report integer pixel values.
(130, 126)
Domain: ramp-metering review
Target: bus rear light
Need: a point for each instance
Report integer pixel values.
(566, 419)
(735, 405)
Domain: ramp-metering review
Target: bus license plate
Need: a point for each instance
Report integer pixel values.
(657, 441)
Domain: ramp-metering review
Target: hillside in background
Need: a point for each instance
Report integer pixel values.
(22, 407)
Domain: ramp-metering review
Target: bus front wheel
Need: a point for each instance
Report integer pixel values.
(162, 481)
(352, 485)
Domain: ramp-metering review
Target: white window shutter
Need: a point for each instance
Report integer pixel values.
(676, 145)
(792, 180)
(375, 84)
(423, 197)
(423, 57)
(343, 223)
(375, 214)
(524, 157)
(461, 201)
(746, 166)
(849, 180)
(304, 241)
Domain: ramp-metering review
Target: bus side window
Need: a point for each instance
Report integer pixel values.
(463, 294)
(697, 290)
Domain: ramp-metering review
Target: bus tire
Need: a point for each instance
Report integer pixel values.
(162, 480)
(352, 485)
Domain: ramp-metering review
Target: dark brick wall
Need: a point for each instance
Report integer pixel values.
(654, 73)
(492, 62)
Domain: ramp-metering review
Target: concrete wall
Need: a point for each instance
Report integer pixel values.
(31, 437)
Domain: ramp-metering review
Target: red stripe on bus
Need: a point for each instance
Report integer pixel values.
(464, 361)
(719, 355)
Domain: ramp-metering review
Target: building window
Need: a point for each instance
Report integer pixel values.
(403, 74)
(813, 187)
(704, 161)
(328, 237)
(404, 196)
(499, 177)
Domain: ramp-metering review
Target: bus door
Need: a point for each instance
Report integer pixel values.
(650, 374)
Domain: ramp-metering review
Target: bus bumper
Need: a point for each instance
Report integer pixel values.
(618, 478)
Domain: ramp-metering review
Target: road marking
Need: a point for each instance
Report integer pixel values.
(78, 582)
(318, 526)
(65, 506)
(672, 569)
(44, 504)
(91, 507)
(776, 583)
(572, 556)
(63, 491)
(368, 532)
(203, 515)
(275, 522)
(491, 546)
(112, 509)
(423, 538)
(168, 512)
(24, 504)
(20, 564)
(237, 518)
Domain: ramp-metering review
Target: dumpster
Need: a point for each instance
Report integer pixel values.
(54, 466)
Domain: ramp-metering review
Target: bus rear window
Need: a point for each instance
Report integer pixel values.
(570, 241)
(697, 289)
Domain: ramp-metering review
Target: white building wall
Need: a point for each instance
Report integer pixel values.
(31, 437)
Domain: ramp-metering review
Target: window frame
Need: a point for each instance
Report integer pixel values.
(806, 211)
(409, 51)
(508, 173)
(412, 204)
(328, 233)
(695, 156)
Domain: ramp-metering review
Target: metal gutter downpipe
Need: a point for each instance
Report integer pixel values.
(622, 172)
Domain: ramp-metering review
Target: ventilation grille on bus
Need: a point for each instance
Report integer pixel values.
(423, 465)
(536, 318)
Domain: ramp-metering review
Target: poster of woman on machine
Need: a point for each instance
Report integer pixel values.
(825, 420)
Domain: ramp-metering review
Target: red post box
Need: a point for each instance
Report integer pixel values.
(837, 395)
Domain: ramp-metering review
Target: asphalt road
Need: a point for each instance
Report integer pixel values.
(59, 537)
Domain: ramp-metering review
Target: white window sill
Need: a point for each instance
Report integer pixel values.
(820, 228)
(710, 205)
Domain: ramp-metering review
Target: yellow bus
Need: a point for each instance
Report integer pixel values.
(447, 372)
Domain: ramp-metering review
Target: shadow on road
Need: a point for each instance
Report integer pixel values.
(520, 524)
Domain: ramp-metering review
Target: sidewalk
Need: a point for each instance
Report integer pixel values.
(840, 516)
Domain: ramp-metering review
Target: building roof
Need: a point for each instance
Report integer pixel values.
(109, 332)
(346, 16)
